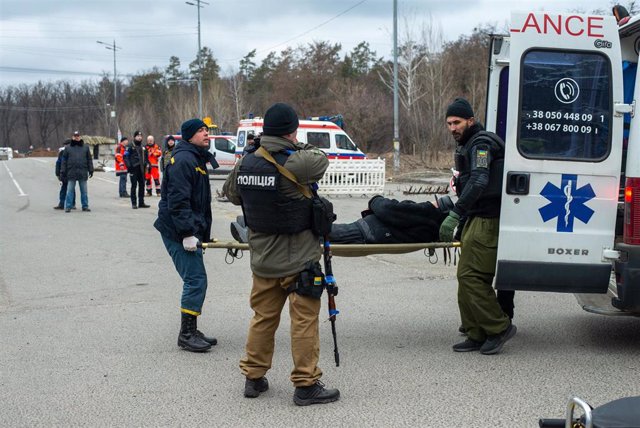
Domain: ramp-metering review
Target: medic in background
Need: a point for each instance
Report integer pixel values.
(121, 166)
(154, 153)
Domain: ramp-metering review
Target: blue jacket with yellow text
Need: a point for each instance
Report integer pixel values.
(185, 205)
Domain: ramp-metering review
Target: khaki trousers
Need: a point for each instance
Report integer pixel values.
(268, 296)
(479, 309)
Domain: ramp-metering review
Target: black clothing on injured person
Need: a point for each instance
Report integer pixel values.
(389, 221)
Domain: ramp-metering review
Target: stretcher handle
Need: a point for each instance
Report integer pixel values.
(586, 408)
(551, 423)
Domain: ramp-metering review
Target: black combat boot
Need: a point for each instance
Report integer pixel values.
(210, 340)
(255, 387)
(315, 394)
(188, 338)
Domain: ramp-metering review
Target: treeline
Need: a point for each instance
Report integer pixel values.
(316, 79)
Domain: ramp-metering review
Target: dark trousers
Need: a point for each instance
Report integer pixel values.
(190, 267)
(346, 233)
(137, 184)
(63, 194)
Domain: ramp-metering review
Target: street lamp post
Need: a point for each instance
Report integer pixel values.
(198, 6)
(396, 126)
(115, 80)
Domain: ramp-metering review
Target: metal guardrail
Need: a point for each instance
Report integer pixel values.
(353, 176)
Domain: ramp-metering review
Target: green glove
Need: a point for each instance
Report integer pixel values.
(448, 226)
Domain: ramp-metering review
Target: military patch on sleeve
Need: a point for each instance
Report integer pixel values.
(482, 159)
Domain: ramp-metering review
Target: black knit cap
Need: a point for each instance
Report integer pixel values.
(460, 108)
(135, 134)
(190, 127)
(280, 119)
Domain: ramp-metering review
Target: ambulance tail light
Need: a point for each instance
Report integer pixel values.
(632, 211)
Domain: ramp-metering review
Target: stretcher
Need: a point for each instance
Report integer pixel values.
(349, 250)
(620, 413)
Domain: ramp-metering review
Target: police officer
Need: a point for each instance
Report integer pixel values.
(284, 254)
(479, 158)
(184, 220)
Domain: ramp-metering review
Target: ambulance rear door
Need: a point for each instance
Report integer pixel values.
(563, 153)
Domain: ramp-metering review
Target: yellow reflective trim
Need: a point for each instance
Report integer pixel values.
(187, 311)
(172, 160)
(201, 171)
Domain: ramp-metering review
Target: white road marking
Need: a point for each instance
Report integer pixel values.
(40, 160)
(104, 179)
(14, 181)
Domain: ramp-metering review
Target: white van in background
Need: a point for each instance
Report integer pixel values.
(224, 149)
(325, 135)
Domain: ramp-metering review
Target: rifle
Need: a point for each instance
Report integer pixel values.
(332, 291)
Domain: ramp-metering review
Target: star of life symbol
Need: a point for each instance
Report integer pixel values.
(567, 202)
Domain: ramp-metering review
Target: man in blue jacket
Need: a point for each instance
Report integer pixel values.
(184, 220)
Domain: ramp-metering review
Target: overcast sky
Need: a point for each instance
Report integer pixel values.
(49, 39)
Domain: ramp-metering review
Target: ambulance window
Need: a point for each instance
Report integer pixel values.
(241, 136)
(319, 139)
(343, 142)
(225, 145)
(566, 108)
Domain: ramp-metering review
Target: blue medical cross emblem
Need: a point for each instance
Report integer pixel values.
(567, 202)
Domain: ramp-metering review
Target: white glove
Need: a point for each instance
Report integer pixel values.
(190, 243)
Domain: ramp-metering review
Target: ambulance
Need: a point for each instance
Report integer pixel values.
(562, 94)
(324, 134)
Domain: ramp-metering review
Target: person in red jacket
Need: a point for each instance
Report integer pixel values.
(154, 154)
(121, 167)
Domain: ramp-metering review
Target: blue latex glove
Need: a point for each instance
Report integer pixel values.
(448, 226)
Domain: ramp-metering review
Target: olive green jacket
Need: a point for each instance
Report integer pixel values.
(277, 256)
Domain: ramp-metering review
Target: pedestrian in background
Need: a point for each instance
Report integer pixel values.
(121, 166)
(169, 144)
(62, 195)
(153, 154)
(479, 158)
(184, 220)
(76, 166)
(135, 158)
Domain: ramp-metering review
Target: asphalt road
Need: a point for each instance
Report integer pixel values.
(89, 321)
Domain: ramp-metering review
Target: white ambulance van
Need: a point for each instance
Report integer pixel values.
(325, 135)
(562, 95)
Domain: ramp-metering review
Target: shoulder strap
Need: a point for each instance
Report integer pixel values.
(284, 171)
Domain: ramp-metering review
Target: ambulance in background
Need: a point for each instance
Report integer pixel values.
(562, 94)
(323, 134)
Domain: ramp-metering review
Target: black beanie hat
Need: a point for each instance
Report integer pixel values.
(135, 134)
(460, 108)
(280, 119)
(190, 127)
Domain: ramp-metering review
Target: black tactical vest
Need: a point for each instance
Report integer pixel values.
(265, 209)
(496, 167)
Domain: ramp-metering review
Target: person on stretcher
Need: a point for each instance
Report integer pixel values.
(386, 221)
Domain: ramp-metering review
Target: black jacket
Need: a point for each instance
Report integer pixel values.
(136, 159)
(392, 221)
(479, 159)
(76, 163)
(185, 204)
